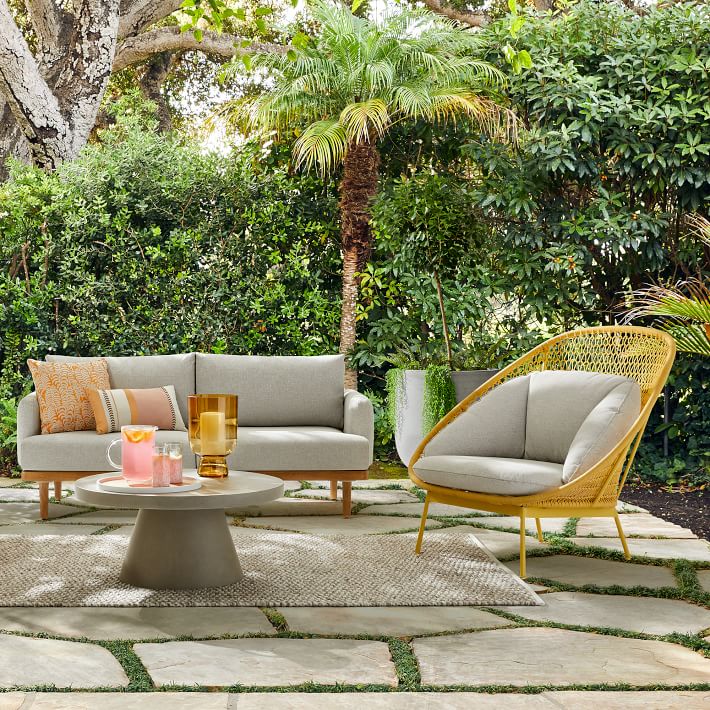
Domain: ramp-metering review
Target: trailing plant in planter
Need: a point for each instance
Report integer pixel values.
(439, 396)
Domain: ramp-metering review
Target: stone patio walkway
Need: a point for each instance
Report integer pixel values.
(612, 633)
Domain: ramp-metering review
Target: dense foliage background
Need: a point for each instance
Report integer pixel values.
(149, 243)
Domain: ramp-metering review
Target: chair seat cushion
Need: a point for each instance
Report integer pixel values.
(84, 450)
(299, 448)
(489, 474)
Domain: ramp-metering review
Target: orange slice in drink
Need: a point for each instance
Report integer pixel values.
(135, 436)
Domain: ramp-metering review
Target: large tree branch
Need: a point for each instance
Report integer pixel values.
(468, 18)
(48, 20)
(34, 106)
(136, 15)
(169, 39)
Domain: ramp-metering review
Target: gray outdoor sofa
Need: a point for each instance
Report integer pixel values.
(295, 419)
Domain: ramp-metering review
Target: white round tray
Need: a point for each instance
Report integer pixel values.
(118, 484)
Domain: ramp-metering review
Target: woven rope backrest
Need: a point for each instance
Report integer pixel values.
(640, 354)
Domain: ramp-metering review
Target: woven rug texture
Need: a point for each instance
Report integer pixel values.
(281, 569)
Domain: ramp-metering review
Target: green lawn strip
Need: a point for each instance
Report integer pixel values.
(138, 678)
(570, 527)
(276, 618)
(405, 664)
(108, 529)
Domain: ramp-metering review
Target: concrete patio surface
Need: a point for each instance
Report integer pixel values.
(611, 634)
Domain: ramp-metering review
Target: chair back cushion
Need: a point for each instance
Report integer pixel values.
(603, 429)
(492, 426)
(278, 390)
(558, 404)
(144, 371)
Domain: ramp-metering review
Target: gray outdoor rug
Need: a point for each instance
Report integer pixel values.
(281, 569)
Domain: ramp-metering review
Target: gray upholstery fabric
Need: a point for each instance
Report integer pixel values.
(143, 371)
(558, 403)
(28, 421)
(603, 429)
(359, 418)
(278, 391)
(489, 474)
(299, 448)
(492, 426)
(84, 450)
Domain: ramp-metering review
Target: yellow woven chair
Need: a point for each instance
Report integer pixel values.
(642, 354)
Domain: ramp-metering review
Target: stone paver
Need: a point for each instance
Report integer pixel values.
(704, 579)
(372, 497)
(103, 517)
(551, 525)
(6, 482)
(129, 701)
(499, 543)
(646, 615)
(32, 661)
(579, 571)
(416, 509)
(389, 621)
(106, 623)
(696, 550)
(291, 506)
(268, 662)
(513, 657)
(622, 507)
(551, 700)
(642, 524)
(13, 513)
(34, 529)
(336, 525)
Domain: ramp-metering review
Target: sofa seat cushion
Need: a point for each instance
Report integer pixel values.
(84, 450)
(299, 448)
(489, 474)
(277, 390)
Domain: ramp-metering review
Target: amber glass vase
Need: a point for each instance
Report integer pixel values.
(213, 431)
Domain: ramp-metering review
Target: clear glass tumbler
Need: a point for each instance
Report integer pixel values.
(174, 462)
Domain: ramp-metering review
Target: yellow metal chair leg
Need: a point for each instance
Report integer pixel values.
(422, 525)
(622, 537)
(539, 530)
(522, 544)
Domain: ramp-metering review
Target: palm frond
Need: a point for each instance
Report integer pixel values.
(321, 145)
(365, 120)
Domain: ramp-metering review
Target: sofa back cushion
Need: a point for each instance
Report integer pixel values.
(558, 404)
(144, 371)
(277, 390)
(492, 426)
(603, 429)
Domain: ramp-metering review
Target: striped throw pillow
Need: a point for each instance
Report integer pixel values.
(116, 408)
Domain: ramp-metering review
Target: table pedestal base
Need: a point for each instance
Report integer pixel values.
(181, 549)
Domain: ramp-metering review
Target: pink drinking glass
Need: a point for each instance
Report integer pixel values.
(137, 442)
(161, 469)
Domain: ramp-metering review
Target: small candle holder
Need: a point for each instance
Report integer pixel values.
(212, 431)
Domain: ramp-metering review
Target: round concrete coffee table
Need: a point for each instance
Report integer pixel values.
(182, 540)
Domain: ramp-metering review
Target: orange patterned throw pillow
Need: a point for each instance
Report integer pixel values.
(63, 393)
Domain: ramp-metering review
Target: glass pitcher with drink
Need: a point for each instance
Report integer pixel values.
(137, 441)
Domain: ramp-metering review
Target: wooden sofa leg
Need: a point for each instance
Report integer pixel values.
(44, 499)
(347, 497)
(334, 490)
(58, 490)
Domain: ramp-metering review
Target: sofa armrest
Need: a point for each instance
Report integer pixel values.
(360, 417)
(28, 422)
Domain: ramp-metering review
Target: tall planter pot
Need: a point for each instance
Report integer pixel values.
(409, 405)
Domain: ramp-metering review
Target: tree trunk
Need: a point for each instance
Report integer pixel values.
(151, 83)
(357, 189)
(444, 321)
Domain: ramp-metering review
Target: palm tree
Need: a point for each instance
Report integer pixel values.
(684, 309)
(344, 90)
